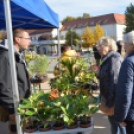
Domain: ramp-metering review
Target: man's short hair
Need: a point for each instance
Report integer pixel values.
(18, 33)
(64, 48)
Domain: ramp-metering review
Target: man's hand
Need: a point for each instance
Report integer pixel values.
(123, 124)
(12, 117)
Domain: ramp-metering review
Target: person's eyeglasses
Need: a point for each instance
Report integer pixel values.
(100, 46)
(26, 38)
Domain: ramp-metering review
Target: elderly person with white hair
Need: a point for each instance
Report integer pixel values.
(124, 101)
(109, 70)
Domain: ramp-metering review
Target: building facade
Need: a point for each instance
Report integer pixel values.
(113, 25)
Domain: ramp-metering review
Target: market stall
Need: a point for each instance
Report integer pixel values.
(24, 14)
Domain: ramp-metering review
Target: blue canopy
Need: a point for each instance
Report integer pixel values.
(30, 14)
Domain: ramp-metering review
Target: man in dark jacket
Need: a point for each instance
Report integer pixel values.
(21, 41)
(124, 100)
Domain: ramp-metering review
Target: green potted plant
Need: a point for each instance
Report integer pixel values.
(69, 111)
(56, 115)
(76, 73)
(87, 111)
(40, 66)
(56, 101)
(31, 71)
(34, 108)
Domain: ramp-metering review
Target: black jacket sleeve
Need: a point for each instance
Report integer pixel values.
(6, 93)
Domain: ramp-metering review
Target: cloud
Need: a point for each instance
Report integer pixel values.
(95, 7)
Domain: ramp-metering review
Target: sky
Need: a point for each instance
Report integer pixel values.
(76, 8)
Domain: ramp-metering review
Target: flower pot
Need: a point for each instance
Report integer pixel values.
(88, 118)
(58, 126)
(31, 129)
(30, 76)
(36, 123)
(45, 75)
(42, 129)
(40, 78)
(73, 126)
(85, 124)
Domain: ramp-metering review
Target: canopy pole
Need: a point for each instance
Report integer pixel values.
(59, 46)
(12, 61)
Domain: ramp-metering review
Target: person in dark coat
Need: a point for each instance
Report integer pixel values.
(97, 56)
(21, 41)
(109, 70)
(121, 50)
(124, 100)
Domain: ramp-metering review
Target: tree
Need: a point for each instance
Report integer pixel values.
(76, 38)
(68, 18)
(129, 13)
(78, 18)
(85, 16)
(88, 38)
(98, 33)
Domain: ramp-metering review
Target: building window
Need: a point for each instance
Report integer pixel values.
(104, 22)
(119, 20)
(68, 27)
(98, 22)
(73, 26)
(124, 20)
(79, 25)
(92, 23)
(85, 24)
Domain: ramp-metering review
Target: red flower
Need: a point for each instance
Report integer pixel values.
(95, 68)
(54, 94)
(75, 68)
(78, 55)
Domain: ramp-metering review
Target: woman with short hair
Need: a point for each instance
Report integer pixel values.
(124, 101)
(109, 70)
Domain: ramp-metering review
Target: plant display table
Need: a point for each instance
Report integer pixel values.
(35, 81)
(68, 131)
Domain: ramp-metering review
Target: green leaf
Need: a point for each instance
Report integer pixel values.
(27, 117)
(57, 104)
(21, 123)
(86, 99)
(20, 111)
(41, 93)
(29, 112)
(26, 101)
(93, 110)
(64, 110)
(57, 111)
(22, 120)
(37, 117)
(45, 125)
(65, 118)
(28, 105)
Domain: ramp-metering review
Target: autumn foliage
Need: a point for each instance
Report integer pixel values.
(98, 33)
(91, 37)
(88, 37)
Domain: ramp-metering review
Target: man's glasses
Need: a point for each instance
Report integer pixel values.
(26, 38)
